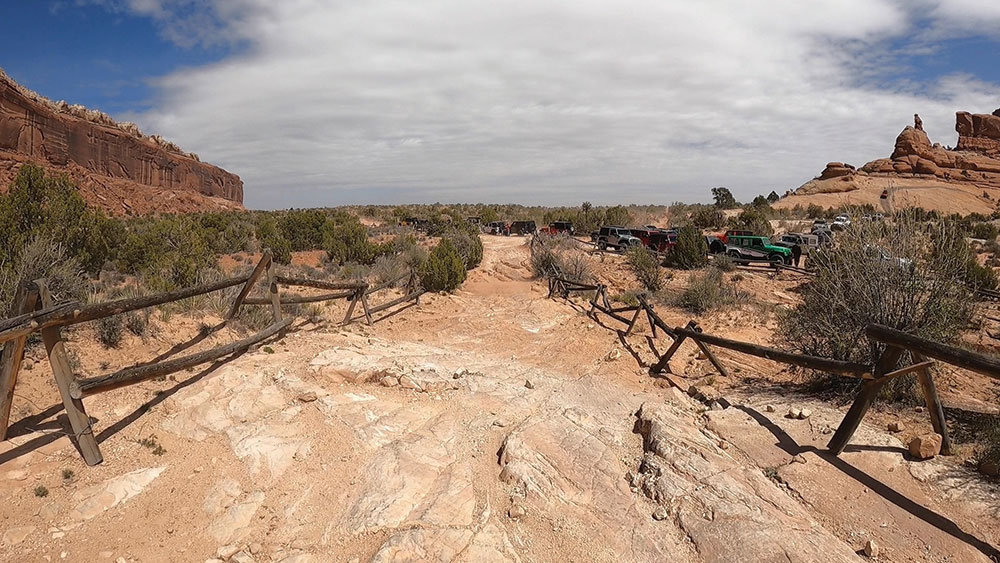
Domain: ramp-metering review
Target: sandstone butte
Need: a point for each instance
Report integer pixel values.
(116, 166)
(962, 180)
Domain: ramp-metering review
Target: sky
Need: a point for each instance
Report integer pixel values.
(548, 102)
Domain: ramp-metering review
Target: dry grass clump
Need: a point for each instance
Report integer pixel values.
(707, 291)
(551, 254)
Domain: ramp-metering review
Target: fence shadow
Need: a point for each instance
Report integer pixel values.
(943, 523)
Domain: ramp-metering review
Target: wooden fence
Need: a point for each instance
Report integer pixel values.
(35, 311)
(873, 378)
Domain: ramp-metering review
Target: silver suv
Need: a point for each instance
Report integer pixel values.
(616, 237)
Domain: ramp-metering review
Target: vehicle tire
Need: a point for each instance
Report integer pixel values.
(776, 259)
(601, 245)
(734, 254)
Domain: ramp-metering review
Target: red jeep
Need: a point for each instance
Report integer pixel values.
(558, 227)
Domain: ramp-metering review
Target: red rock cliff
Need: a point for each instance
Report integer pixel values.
(979, 132)
(117, 167)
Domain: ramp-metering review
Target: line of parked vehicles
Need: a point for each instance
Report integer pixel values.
(740, 245)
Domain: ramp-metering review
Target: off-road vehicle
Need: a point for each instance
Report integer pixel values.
(498, 228)
(757, 249)
(717, 243)
(616, 237)
(522, 228)
(557, 227)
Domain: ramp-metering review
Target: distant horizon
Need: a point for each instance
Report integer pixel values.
(543, 103)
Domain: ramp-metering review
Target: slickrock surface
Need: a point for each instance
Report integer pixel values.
(418, 440)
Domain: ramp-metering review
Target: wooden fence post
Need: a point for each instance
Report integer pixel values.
(662, 363)
(273, 290)
(933, 404)
(708, 352)
(869, 390)
(358, 294)
(635, 318)
(262, 266)
(13, 356)
(63, 373)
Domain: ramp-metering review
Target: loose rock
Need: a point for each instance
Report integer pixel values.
(895, 426)
(517, 512)
(307, 397)
(925, 446)
(769, 408)
(529, 384)
(660, 513)
(871, 549)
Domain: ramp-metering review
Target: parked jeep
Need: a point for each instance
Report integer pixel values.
(498, 228)
(804, 240)
(557, 227)
(616, 237)
(522, 228)
(717, 243)
(757, 249)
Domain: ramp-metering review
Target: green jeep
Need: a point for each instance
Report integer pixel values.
(757, 249)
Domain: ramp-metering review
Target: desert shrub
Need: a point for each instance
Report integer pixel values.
(468, 244)
(691, 250)
(388, 268)
(902, 274)
(576, 267)
(268, 236)
(989, 447)
(109, 331)
(345, 239)
(753, 219)
(708, 218)
(723, 263)
(707, 291)
(445, 268)
(42, 258)
(304, 229)
(645, 266)
(137, 322)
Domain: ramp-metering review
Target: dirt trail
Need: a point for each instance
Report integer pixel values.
(489, 425)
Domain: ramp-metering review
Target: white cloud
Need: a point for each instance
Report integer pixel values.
(542, 100)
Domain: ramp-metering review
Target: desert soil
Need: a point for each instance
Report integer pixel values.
(489, 425)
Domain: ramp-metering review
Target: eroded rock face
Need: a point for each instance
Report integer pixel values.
(974, 162)
(33, 129)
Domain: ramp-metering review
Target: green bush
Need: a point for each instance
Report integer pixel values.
(445, 268)
(753, 219)
(42, 258)
(723, 263)
(646, 267)
(707, 291)
(691, 250)
(109, 331)
(468, 244)
(708, 218)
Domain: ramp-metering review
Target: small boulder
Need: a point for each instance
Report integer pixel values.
(660, 513)
(804, 414)
(769, 408)
(794, 413)
(227, 551)
(407, 382)
(895, 426)
(925, 446)
(389, 381)
(517, 511)
(613, 355)
(871, 549)
(242, 557)
(307, 397)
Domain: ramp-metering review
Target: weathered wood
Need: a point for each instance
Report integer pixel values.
(358, 294)
(812, 362)
(287, 298)
(708, 352)
(367, 309)
(272, 288)
(259, 270)
(985, 365)
(79, 421)
(608, 312)
(319, 284)
(394, 302)
(662, 362)
(25, 300)
(135, 374)
(869, 390)
(910, 369)
(655, 319)
(933, 402)
(635, 318)
(23, 325)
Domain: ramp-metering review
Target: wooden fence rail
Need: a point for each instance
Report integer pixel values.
(35, 311)
(873, 378)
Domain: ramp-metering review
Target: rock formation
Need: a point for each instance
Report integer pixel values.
(960, 180)
(116, 166)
